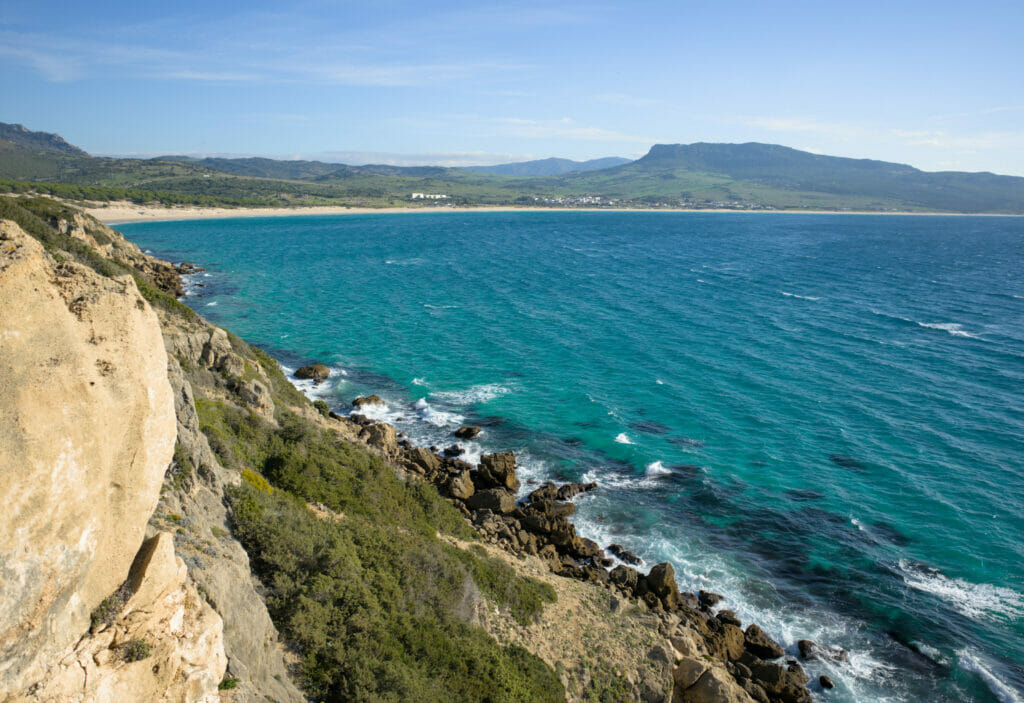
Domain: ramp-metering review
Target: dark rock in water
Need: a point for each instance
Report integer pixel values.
(847, 462)
(467, 432)
(761, 645)
(499, 470)
(333, 415)
(707, 599)
(826, 682)
(807, 649)
(890, 533)
(547, 491)
(571, 490)
(359, 419)
(454, 451)
(367, 400)
(650, 427)
(498, 500)
(802, 495)
(624, 554)
(685, 442)
(316, 373)
(573, 441)
(687, 470)
(728, 617)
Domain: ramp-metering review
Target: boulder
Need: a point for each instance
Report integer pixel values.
(624, 554)
(571, 490)
(467, 432)
(761, 645)
(714, 686)
(624, 577)
(367, 400)
(453, 451)
(548, 491)
(707, 599)
(728, 617)
(421, 461)
(87, 430)
(826, 682)
(497, 499)
(807, 648)
(662, 582)
(499, 470)
(315, 373)
(381, 436)
(460, 485)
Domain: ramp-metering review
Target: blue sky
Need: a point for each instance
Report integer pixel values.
(939, 85)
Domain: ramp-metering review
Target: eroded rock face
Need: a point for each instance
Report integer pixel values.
(183, 637)
(87, 429)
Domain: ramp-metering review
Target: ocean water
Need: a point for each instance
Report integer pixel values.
(820, 417)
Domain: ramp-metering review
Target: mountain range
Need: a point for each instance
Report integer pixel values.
(700, 175)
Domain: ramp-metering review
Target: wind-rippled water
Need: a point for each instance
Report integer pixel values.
(820, 417)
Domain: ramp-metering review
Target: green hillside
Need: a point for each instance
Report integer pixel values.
(733, 176)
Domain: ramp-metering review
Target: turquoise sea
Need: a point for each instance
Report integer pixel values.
(819, 416)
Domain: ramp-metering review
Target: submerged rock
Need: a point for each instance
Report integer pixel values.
(624, 554)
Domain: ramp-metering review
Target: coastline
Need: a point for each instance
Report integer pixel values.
(123, 212)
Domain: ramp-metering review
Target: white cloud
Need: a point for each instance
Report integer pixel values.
(565, 128)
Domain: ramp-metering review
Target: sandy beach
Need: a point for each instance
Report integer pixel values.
(117, 212)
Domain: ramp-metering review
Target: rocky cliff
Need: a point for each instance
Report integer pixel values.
(87, 430)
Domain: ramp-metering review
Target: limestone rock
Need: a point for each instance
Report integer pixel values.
(761, 645)
(183, 634)
(499, 470)
(714, 686)
(496, 499)
(460, 485)
(381, 436)
(87, 417)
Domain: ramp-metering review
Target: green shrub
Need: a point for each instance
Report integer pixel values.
(135, 650)
(322, 407)
(228, 683)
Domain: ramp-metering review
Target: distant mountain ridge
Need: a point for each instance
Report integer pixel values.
(750, 176)
(23, 138)
(550, 167)
(792, 169)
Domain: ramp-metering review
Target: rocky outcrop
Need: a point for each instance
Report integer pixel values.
(315, 373)
(193, 505)
(165, 645)
(86, 432)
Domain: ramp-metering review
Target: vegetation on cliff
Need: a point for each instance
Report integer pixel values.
(377, 605)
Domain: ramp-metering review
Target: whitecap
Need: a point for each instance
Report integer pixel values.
(857, 523)
(973, 600)
(659, 382)
(419, 381)
(953, 328)
(623, 438)
(476, 394)
(435, 417)
(440, 307)
(801, 297)
(210, 305)
(970, 661)
(656, 468)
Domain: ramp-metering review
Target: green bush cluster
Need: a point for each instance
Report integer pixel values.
(135, 650)
(374, 602)
(228, 683)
